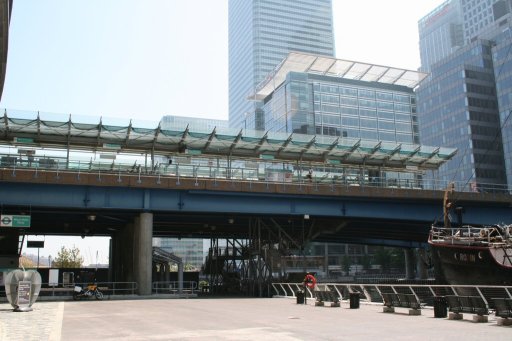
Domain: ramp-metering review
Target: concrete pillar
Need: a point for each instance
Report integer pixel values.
(421, 265)
(143, 252)
(409, 263)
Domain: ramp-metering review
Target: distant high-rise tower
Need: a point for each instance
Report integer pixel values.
(464, 103)
(440, 33)
(262, 33)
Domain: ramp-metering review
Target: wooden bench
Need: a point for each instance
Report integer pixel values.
(503, 311)
(393, 300)
(327, 296)
(457, 305)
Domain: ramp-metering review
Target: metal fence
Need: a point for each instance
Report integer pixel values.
(373, 292)
(66, 290)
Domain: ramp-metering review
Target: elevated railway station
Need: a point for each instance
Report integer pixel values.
(268, 194)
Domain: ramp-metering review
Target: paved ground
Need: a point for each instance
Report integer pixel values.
(276, 319)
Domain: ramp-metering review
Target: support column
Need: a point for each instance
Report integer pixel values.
(409, 263)
(143, 252)
(421, 265)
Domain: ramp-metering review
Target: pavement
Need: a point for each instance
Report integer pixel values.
(275, 319)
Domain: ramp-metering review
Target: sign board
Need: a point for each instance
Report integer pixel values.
(24, 294)
(110, 156)
(53, 278)
(23, 140)
(193, 151)
(7, 220)
(35, 243)
(111, 146)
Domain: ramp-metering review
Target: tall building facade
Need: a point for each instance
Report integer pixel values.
(502, 45)
(441, 33)
(317, 95)
(458, 107)
(261, 33)
(464, 103)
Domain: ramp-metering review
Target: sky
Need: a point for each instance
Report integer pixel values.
(142, 60)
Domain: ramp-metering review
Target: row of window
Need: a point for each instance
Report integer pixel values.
(354, 102)
(387, 136)
(363, 93)
(362, 112)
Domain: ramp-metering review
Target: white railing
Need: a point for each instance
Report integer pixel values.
(373, 292)
(331, 176)
(66, 289)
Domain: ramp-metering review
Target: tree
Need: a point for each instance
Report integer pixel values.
(68, 258)
(27, 262)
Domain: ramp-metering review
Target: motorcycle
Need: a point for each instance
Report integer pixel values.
(91, 290)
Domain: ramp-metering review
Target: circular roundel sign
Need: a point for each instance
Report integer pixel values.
(6, 221)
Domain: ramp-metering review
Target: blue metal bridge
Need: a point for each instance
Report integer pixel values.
(273, 192)
(203, 184)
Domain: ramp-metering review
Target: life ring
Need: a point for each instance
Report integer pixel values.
(310, 281)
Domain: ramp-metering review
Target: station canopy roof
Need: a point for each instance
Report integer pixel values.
(329, 66)
(32, 129)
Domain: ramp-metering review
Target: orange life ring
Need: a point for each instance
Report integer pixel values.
(310, 281)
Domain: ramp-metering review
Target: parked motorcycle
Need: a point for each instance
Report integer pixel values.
(91, 290)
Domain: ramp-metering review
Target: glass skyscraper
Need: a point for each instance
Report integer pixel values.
(465, 102)
(440, 33)
(503, 74)
(261, 33)
(458, 107)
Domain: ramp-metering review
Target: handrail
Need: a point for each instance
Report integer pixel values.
(331, 179)
(249, 170)
(424, 292)
(66, 289)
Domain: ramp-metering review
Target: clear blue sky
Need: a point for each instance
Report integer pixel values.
(145, 59)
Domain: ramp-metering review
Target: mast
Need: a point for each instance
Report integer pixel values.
(447, 204)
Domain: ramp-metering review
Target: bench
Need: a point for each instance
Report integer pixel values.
(327, 296)
(393, 300)
(503, 311)
(457, 305)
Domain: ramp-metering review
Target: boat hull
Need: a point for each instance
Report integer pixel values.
(467, 265)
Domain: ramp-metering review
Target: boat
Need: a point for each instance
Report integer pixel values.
(470, 255)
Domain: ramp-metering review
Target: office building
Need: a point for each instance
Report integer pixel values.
(502, 59)
(440, 33)
(317, 95)
(458, 107)
(464, 101)
(262, 33)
